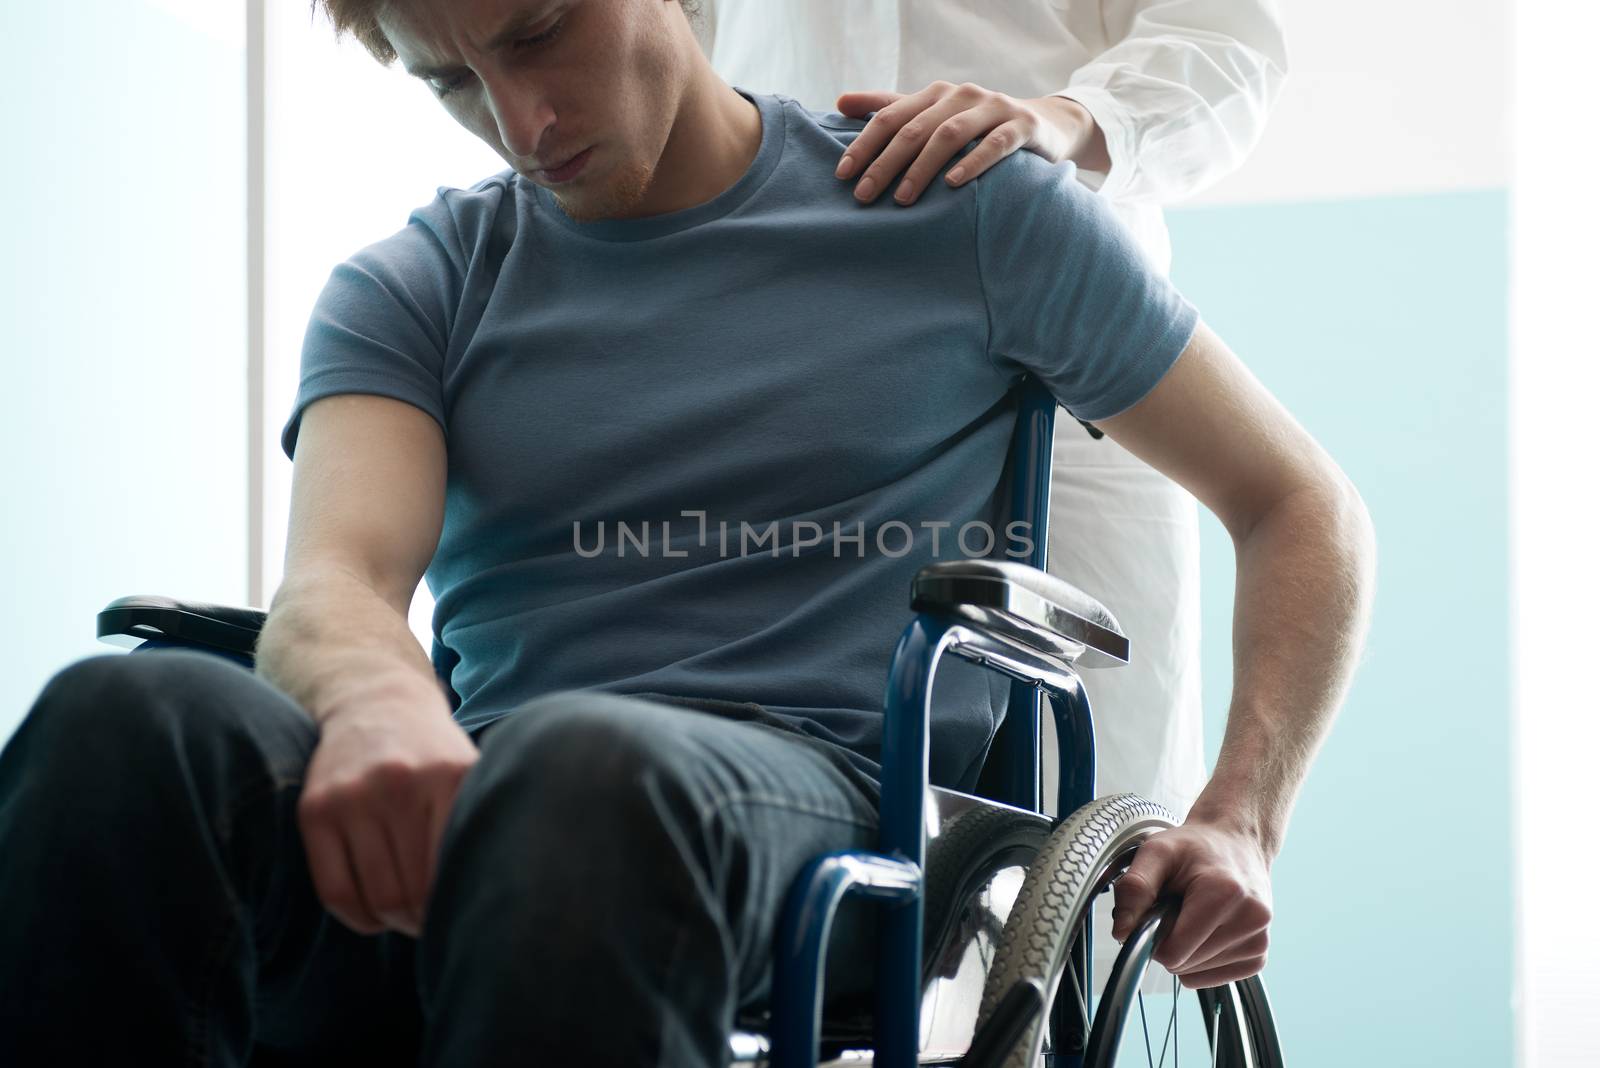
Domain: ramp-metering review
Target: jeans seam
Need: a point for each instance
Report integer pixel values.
(200, 1037)
(261, 784)
(672, 973)
(233, 914)
(266, 953)
(753, 797)
(750, 797)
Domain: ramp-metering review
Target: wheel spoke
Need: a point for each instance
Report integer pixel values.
(1175, 1043)
(1168, 1036)
(1149, 1058)
(1216, 1026)
(1079, 1000)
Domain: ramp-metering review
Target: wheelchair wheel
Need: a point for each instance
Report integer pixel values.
(1084, 854)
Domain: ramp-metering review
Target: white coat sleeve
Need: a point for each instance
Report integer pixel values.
(1182, 92)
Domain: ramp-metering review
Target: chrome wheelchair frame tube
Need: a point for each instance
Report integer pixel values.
(894, 875)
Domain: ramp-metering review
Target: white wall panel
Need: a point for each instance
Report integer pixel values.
(1385, 97)
(350, 149)
(122, 324)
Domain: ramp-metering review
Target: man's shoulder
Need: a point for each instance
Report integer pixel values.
(485, 191)
(1025, 199)
(472, 210)
(844, 125)
(452, 225)
(821, 126)
(1022, 176)
(1027, 178)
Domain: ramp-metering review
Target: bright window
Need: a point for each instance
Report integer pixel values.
(350, 149)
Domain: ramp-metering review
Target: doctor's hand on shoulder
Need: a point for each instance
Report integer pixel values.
(918, 133)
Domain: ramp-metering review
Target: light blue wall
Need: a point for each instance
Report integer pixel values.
(122, 325)
(1381, 324)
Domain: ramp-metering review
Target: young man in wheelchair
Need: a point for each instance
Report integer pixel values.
(666, 316)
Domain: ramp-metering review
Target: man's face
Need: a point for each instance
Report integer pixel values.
(542, 81)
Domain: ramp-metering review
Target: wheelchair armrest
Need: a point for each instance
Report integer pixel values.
(128, 621)
(1023, 604)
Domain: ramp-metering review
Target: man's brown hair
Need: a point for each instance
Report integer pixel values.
(360, 19)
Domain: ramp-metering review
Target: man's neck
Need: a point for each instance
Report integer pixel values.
(715, 136)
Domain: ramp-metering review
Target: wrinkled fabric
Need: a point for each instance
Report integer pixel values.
(607, 887)
(836, 380)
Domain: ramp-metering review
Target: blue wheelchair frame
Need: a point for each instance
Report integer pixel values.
(892, 876)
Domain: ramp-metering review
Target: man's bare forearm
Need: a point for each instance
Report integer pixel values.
(332, 643)
(1302, 604)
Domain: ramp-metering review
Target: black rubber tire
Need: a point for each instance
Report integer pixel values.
(965, 854)
(1258, 1014)
(1087, 849)
(960, 860)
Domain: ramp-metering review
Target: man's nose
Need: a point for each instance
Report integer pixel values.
(522, 115)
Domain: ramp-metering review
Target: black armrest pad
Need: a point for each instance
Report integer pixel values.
(1025, 603)
(128, 621)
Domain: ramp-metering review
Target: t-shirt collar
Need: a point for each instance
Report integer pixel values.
(773, 132)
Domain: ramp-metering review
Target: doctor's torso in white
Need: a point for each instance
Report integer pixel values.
(1180, 87)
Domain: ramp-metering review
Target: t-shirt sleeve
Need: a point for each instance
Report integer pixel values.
(382, 322)
(1071, 299)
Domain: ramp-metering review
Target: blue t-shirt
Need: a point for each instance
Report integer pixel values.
(638, 412)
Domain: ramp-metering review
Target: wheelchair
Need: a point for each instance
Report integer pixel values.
(983, 902)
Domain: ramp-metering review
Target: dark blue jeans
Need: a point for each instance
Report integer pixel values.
(605, 894)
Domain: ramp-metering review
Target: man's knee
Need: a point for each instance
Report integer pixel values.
(582, 740)
(134, 709)
(581, 766)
